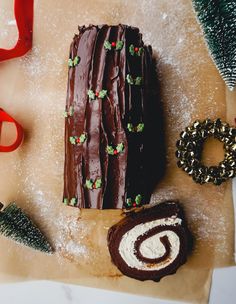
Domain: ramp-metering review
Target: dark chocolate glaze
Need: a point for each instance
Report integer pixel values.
(140, 217)
(137, 169)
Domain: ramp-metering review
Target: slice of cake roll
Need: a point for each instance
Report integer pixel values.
(113, 124)
(151, 243)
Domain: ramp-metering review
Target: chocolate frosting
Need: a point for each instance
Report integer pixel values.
(137, 169)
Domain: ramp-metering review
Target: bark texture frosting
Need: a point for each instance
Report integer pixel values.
(151, 243)
(113, 120)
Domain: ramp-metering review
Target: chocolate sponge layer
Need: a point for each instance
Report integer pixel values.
(168, 212)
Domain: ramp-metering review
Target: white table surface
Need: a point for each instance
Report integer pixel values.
(223, 290)
(42, 292)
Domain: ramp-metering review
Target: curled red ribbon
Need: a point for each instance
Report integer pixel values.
(4, 117)
(24, 19)
(23, 10)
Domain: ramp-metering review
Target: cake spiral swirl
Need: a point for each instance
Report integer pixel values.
(151, 243)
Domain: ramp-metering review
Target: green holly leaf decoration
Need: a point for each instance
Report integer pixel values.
(73, 201)
(140, 127)
(140, 51)
(130, 127)
(83, 138)
(113, 151)
(70, 63)
(65, 201)
(129, 79)
(89, 184)
(129, 202)
(131, 49)
(135, 51)
(76, 60)
(102, 94)
(138, 81)
(72, 140)
(73, 62)
(107, 45)
(71, 110)
(218, 22)
(91, 94)
(138, 199)
(110, 150)
(98, 183)
(75, 140)
(119, 45)
(134, 81)
(120, 147)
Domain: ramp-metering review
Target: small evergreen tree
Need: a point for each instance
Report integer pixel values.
(218, 21)
(16, 225)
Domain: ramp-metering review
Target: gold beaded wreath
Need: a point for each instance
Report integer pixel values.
(190, 146)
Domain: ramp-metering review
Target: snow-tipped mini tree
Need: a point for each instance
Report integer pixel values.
(218, 22)
(16, 225)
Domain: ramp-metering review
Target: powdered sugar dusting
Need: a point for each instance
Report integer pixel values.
(8, 33)
(190, 90)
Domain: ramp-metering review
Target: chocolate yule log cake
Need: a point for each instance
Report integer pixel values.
(113, 124)
(150, 243)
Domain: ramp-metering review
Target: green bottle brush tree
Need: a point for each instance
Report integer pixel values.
(218, 22)
(15, 224)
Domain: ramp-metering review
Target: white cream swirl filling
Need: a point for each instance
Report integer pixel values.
(151, 247)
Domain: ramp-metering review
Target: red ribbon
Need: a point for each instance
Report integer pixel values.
(24, 11)
(24, 19)
(4, 117)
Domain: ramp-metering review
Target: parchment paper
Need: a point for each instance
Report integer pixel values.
(33, 90)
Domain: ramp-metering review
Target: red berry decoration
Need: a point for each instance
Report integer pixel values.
(113, 44)
(134, 204)
(136, 49)
(115, 152)
(96, 94)
(78, 140)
